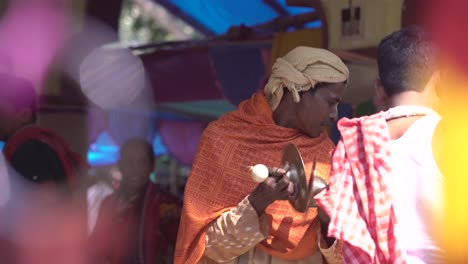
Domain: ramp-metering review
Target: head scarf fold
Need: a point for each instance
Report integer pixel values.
(300, 70)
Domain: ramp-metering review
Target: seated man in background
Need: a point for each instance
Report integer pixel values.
(137, 223)
(228, 217)
(385, 184)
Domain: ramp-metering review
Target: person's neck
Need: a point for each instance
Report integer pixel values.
(409, 98)
(398, 126)
(282, 119)
(284, 113)
(131, 194)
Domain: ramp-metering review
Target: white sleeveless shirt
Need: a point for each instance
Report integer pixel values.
(417, 189)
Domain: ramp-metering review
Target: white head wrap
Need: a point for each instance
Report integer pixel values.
(300, 70)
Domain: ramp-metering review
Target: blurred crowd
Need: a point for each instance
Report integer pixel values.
(52, 209)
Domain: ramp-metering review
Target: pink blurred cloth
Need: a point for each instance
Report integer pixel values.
(31, 34)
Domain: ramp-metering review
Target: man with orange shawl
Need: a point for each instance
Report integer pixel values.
(228, 217)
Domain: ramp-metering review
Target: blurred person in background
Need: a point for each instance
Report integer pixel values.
(41, 179)
(36, 153)
(137, 223)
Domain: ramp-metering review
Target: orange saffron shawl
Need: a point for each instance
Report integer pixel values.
(220, 179)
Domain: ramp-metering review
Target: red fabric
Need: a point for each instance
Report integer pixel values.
(358, 199)
(161, 225)
(71, 161)
(112, 232)
(446, 21)
(156, 240)
(40, 207)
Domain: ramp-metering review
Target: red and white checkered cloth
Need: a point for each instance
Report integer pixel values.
(358, 199)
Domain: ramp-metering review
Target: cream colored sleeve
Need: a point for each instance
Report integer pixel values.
(234, 233)
(332, 254)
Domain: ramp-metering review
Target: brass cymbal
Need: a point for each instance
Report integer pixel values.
(297, 175)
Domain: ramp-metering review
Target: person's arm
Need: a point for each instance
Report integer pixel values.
(234, 233)
(238, 230)
(328, 246)
(318, 186)
(332, 253)
(324, 220)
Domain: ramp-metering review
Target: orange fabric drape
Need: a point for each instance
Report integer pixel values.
(220, 180)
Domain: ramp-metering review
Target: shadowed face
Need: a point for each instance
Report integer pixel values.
(136, 164)
(318, 108)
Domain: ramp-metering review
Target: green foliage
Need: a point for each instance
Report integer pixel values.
(139, 24)
(136, 28)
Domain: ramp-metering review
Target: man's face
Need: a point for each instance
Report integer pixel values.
(319, 108)
(136, 166)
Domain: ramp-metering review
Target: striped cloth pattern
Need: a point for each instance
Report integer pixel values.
(358, 199)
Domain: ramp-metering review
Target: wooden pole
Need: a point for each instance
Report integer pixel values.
(283, 23)
(173, 177)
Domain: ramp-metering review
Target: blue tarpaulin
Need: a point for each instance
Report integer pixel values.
(105, 152)
(216, 16)
(211, 17)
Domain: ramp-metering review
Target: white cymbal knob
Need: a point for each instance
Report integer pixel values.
(259, 172)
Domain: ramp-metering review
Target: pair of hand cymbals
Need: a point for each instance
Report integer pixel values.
(296, 173)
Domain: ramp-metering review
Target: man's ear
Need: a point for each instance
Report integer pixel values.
(380, 96)
(433, 90)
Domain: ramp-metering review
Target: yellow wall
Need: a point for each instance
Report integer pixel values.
(286, 41)
(378, 19)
